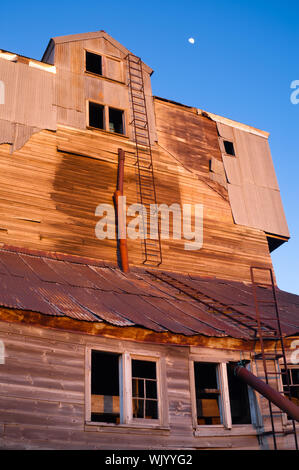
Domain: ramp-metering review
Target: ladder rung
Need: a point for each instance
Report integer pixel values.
(136, 70)
(140, 112)
(133, 61)
(138, 97)
(138, 83)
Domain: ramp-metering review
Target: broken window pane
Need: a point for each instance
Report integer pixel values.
(93, 63)
(229, 147)
(105, 402)
(96, 115)
(116, 121)
(144, 389)
(207, 393)
(238, 396)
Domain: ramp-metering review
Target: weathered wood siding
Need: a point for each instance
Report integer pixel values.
(50, 188)
(42, 397)
(75, 86)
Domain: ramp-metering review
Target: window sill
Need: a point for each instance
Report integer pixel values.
(102, 427)
(103, 77)
(103, 131)
(220, 430)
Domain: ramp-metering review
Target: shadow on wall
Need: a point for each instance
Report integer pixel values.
(82, 183)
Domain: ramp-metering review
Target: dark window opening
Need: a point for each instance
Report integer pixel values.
(93, 63)
(116, 121)
(293, 375)
(144, 389)
(105, 396)
(229, 147)
(207, 393)
(238, 396)
(96, 115)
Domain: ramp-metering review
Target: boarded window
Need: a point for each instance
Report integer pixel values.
(238, 396)
(96, 115)
(207, 393)
(113, 69)
(144, 389)
(116, 117)
(105, 396)
(229, 147)
(93, 63)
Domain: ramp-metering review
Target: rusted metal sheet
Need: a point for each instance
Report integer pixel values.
(28, 104)
(83, 290)
(253, 189)
(7, 132)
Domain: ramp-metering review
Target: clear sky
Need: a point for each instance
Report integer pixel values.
(241, 66)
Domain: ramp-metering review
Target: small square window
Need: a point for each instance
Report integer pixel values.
(93, 63)
(229, 148)
(116, 117)
(96, 115)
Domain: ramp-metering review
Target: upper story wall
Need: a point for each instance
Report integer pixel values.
(76, 86)
(51, 186)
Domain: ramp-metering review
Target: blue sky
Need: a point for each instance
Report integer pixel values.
(241, 66)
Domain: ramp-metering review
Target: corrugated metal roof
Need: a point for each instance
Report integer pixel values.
(82, 289)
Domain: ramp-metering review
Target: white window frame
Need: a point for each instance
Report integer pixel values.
(226, 426)
(125, 376)
(225, 413)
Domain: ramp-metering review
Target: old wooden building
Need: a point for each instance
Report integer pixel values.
(111, 342)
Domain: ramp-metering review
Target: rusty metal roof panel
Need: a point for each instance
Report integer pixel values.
(94, 300)
(67, 305)
(129, 307)
(102, 282)
(42, 270)
(71, 272)
(16, 266)
(98, 292)
(180, 313)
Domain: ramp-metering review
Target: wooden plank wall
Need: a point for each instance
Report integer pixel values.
(48, 199)
(42, 396)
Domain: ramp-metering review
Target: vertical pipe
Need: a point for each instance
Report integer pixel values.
(122, 236)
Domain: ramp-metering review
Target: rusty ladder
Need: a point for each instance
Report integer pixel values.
(266, 356)
(144, 158)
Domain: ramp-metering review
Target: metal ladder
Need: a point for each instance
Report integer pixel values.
(144, 160)
(278, 337)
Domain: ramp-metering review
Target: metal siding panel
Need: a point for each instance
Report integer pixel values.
(7, 131)
(253, 189)
(226, 132)
(28, 283)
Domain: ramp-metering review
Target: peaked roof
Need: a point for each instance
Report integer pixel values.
(91, 291)
(91, 35)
